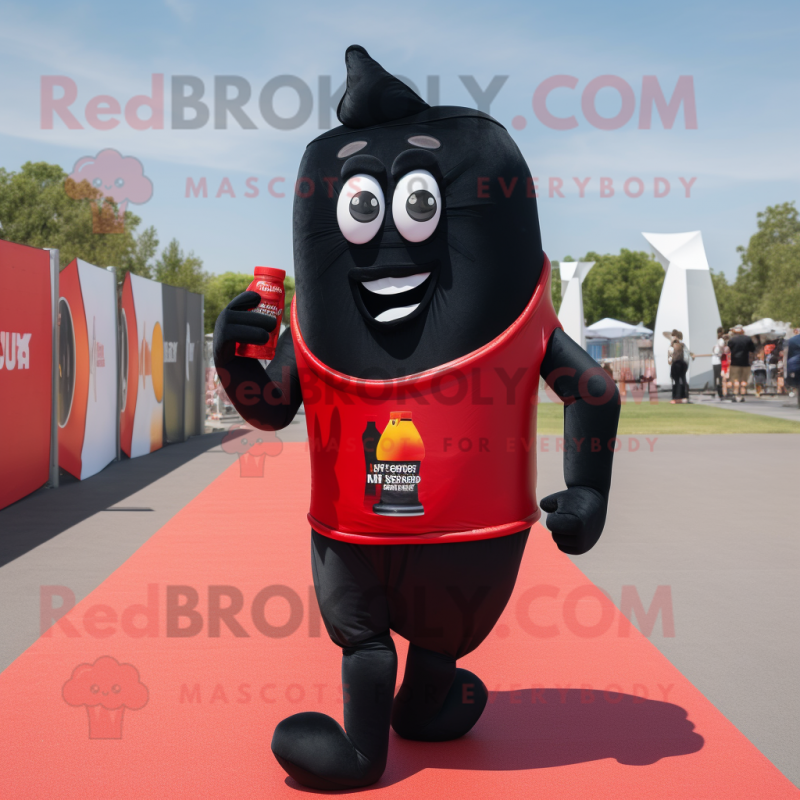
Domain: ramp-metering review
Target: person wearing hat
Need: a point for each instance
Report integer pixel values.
(679, 366)
(742, 350)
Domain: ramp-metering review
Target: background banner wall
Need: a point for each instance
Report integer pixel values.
(194, 395)
(175, 351)
(129, 365)
(73, 370)
(87, 387)
(26, 359)
(146, 348)
(99, 301)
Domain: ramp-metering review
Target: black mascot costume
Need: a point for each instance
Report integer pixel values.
(421, 324)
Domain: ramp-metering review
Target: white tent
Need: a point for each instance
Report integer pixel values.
(570, 314)
(768, 326)
(687, 302)
(615, 329)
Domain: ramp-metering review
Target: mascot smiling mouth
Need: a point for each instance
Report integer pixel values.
(392, 295)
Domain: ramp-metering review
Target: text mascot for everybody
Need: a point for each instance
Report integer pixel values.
(421, 324)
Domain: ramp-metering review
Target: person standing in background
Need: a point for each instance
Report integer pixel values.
(679, 366)
(726, 365)
(742, 349)
(759, 370)
(792, 375)
(716, 361)
(772, 358)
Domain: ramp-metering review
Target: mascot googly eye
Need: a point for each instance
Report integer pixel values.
(360, 209)
(417, 205)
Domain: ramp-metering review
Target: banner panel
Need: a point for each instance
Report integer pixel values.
(148, 417)
(194, 395)
(100, 439)
(26, 363)
(73, 370)
(129, 365)
(174, 305)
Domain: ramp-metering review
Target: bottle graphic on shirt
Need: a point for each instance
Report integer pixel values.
(399, 454)
(370, 439)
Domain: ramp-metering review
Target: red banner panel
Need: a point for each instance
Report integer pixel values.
(142, 418)
(87, 380)
(26, 358)
(73, 370)
(129, 365)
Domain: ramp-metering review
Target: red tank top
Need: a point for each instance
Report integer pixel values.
(444, 455)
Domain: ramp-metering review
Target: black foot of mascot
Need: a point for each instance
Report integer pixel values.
(421, 324)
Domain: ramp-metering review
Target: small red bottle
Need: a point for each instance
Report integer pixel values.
(268, 282)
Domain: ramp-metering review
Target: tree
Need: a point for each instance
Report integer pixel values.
(733, 305)
(289, 286)
(781, 300)
(626, 287)
(176, 269)
(36, 210)
(42, 207)
(220, 290)
(768, 279)
(139, 262)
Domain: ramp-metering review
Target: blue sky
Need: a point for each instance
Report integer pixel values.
(742, 58)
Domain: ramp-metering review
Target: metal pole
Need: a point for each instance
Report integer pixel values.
(113, 271)
(54, 270)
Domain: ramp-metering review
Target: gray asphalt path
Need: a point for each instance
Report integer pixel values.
(777, 406)
(77, 535)
(713, 518)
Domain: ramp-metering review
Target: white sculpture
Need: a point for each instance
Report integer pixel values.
(687, 302)
(570, 315)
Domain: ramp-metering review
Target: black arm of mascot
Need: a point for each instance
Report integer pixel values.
(591, 412)
(267, 399)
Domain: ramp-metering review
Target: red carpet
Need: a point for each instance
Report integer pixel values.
(614, 718)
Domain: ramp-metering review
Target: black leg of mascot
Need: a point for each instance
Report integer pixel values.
(421, 324)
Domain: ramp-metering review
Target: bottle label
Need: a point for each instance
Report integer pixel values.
(272, 302)
(266, 286)
(395, 468)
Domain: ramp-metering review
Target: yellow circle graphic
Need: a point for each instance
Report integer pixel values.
(157, 362)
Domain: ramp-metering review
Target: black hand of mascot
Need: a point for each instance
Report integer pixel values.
(267, 399)
(238, 323)
(576, 518)
(591, 412)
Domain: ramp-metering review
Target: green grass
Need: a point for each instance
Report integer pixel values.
(663, 418)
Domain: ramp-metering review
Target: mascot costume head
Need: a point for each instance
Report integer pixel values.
(417, 240)
(421, 324)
